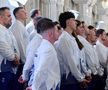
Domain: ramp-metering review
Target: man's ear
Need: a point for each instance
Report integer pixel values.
(1, 17)
(50, 34)
(16, 15)
(67, 22)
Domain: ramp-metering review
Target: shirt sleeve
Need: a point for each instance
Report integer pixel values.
(47, 71)
(30, 53)
(5, 48)
(40, 73)
(83, 63)
(90, 64)
(102, 56)
(28, 64)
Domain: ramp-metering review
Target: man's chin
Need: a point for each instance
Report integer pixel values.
(7, 26)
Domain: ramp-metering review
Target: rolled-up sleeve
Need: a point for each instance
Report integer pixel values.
(5, 49)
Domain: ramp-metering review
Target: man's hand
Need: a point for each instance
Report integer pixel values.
(20, 80)
(29, 88)
(89, 78)
(84, 83)
(16, 61)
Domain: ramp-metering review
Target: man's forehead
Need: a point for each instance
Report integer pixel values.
(22, 10)
(6, 12)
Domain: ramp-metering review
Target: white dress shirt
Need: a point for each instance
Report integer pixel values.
(91, 57)
(30, 27)
(47, 71)
(99, 68)
(31, 49)
(8, 45)
(31, 30)
(21, 35)
(68, 56)
(83, 63)
(102, 53)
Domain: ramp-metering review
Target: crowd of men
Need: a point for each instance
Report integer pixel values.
(46, 55)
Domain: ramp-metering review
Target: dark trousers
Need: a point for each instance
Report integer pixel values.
(97, 83)
(57, 88)
(18, 85)
(69, 87)
(69, 83)
(7, 81)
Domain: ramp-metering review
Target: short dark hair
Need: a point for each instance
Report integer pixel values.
(56, 22)
(91, 27)
(2, 9)
(44, 24)
(58, 26)
(36, 19)
(106, 34)
(78, 23)
(34, 12)
(99, 32)
(64, 17)
(16, 10)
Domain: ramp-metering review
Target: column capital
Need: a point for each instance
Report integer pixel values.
(88, 2)
(61, 2)
(100, 9)
(80, 1)
(49, 1)
(91, 2)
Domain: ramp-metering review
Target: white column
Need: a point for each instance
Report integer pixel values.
(29, 6)
(37, 4)
(86, 13)
(85, 9)
(102, 15)
(66, 5)
(49, 9)
(60, 4)
(80, 1)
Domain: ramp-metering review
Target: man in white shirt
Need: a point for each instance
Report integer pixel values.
(68, 54)
(80, 31)
(94, 62)
(102, 51)
(30, 26)
(100, 47)
(89, 48)
(9, 53)
(34, 32)
(30, 51)
(106, 40)
(47, 71)
(19, 31)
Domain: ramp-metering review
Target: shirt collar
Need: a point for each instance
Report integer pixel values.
(3, 27)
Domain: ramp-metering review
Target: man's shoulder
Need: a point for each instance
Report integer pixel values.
(45, 46)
